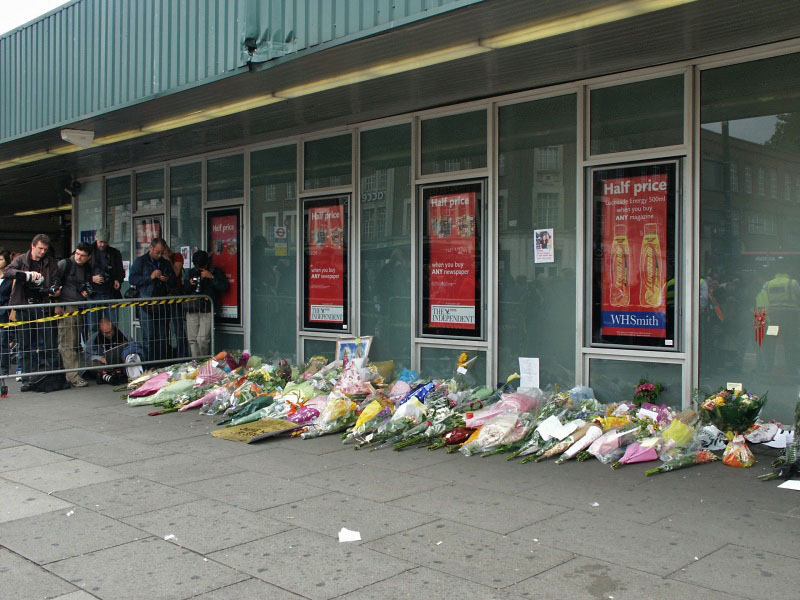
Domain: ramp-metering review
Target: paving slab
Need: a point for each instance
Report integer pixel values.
(477, 555)
(79, 595)
(289, 463)
(65, 533)
(745, 572)
(371, 483)
(154, 433)
(126, 497)
(178, 468)
(329, 513)
(28, 425)
(332, 568)
(491, 473)
(64, 475)
(19, 501)
(20, 579)
(207, 446)
(253, 491)
(590, 579)
(319, 445)
(116, 452)
(619, 541)
(404, 461)
(251, 589)
(8, 443)
(753, 528)
(427, 583)
(25, 456)
(485, 509)
(65, 438)
(149, 568)
(206, 525)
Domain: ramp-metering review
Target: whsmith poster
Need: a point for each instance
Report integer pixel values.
(452, 255)
(325, 264)
(224, 240)
(635, 208)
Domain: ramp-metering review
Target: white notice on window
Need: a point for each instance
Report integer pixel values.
(528, 372)
(543, 246)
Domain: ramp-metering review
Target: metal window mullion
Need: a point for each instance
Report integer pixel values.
(413, 226)
(581, 212)
(300, 251)
(245, 270)
(489, 254)
(354, 281)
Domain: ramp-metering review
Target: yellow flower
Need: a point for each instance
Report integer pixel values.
(462, 359)
(719, 400)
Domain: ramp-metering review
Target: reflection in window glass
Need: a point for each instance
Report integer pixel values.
(441, 363)
(225, 178)
(757, 264)
(615, 380)
(386, 243)
(150, 190)
(273, 251)
(454, 143)
(537, 191)
(326, 348)
(644, 114)
(90, 217)
(186, 208)
(328, 162)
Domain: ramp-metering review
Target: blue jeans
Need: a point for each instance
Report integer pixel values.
(5, 341)
(92, 323)
(155, 331)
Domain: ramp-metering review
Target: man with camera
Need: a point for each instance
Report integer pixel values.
(203, 278)
(36, 281)
(107, 276)
(76, 286)
(153, 276)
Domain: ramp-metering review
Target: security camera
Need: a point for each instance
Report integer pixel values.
(73, 189)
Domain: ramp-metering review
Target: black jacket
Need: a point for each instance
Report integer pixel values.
(48, 267)
(114, 258)
(212, 287)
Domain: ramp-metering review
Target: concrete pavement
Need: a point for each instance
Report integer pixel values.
(99, 500)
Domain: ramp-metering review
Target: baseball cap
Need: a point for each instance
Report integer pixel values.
(101, 235)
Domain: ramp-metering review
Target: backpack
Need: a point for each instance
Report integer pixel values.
(49, 383)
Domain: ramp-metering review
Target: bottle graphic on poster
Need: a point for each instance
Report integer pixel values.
(651, 269)
(620, 265)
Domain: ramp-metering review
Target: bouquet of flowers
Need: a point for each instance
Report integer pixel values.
(732, 410)
(647, 392)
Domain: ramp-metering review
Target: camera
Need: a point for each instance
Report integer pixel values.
(196, 280)
(54, 287)
(88, 288)
(34, 291)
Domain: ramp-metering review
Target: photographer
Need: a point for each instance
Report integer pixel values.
(107, 276)
(153, 276)
(76, 285)
(203, 278)
(35, 276)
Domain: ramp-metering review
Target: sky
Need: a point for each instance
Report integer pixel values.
(14, 13)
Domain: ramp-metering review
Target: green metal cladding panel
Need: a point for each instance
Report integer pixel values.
(92, 56)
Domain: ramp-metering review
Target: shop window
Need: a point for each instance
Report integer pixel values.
(150, 190)
(613, 380)
(797, 189)
(441, 363)
(749, 112)
(536, 311)
(225, 178)
(185, 210)
(787, 187)
(326, 348)
(328, 162)
(273, 252)
(454, 143)
(385, 251)
(118, 214)
(634, 116)
(90, 215)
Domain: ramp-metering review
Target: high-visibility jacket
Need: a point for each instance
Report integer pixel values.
(779, 292)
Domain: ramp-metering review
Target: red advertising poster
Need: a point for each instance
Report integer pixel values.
(223, 247)
(634, 232)
(451, 254)
(325, 264)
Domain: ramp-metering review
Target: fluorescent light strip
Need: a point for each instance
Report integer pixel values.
(530, 33)
(577, 22)
(42, 211)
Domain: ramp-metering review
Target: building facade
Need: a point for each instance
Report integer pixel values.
(608, 187)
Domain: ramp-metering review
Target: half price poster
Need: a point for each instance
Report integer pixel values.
(223, 241)
(325, 269)
(634, 262)
(452, 268)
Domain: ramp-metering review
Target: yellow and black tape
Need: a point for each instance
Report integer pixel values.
(91, 309)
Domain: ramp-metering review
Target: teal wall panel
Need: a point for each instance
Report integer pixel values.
(93, 56)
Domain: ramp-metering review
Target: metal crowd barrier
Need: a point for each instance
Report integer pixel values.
(115, 337)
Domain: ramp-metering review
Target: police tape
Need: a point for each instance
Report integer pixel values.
(92, 309)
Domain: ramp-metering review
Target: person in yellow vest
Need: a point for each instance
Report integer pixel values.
(780, 296)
